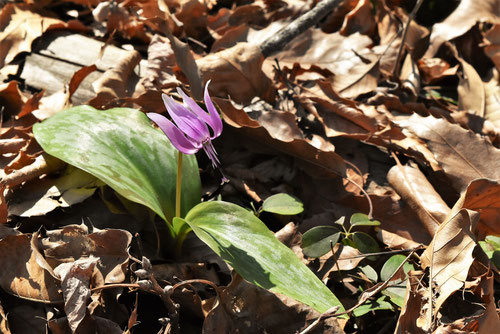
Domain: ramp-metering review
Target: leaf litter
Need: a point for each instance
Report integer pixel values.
(364, 112)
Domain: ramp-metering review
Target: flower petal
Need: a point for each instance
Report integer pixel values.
(215, 122)
(212, 118)
(186, 121)
(177, 138)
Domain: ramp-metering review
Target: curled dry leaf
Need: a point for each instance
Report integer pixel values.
(75, 281)
(492, 105)
(471, 94)
(116, 83)
(109, 246)
(327, 162)
(246, 308)
(483, 195)
(20, 25)
(413, 187)
(492, 48)
(236, 72)
(449, 256)
(410, 317)
(463, 155)
(161, 63)
(461, 20)
(21, 275)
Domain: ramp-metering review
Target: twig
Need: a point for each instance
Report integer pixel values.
(405, 33)
(281, 38)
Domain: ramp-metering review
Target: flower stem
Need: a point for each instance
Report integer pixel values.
(178, 186)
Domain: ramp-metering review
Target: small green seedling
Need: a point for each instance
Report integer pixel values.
(319, 240)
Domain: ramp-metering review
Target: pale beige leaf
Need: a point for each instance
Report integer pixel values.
(412, 185)
(471, 95)
(462, 19)
(464, 155)
(492, 107)
(449, 256)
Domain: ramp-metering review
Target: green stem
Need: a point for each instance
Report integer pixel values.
(178, 186)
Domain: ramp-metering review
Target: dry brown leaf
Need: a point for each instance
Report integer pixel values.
(3, 207)
(161, 63)
(43, 164)
(492, 48)
(31, 104)
(236, 72)
(21, 275)
(435, 69)
(449, 256)
(483, 196)
(461, 20)
(463, 155)
(413, 187)
(359, 19)
(246, 308)
(20, 25)
(492, 105)
(326, 162)
(416, 294)
(75, 281)
(471, 94)
(72, 242)
(12, 98)
(117, 82)
(78, 77)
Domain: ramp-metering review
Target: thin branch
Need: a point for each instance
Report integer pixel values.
(284, 36)
(412, 15)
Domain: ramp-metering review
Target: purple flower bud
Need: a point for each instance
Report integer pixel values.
(191, 130)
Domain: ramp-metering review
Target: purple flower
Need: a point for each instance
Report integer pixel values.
(190, 132)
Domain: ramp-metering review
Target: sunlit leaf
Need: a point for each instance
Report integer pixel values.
(360, 219)
(120, 147)
(246, 243)
(283, 204)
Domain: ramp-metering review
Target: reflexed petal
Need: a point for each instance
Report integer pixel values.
(186, 121)
(196, 109)
(215, 122)
(177, 138)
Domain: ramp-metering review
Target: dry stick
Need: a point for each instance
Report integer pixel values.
(405, 33)
(284, 36)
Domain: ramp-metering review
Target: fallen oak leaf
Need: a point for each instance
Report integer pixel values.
(236, 72)
(20, 25)
(327, 161)
(21, 275)
(463, 155)
(483, 196)
(449, 257)
(412, 185)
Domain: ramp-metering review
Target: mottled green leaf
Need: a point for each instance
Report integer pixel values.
(120, 147)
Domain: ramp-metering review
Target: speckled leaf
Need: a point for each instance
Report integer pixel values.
(120, 147)
(245, 242)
